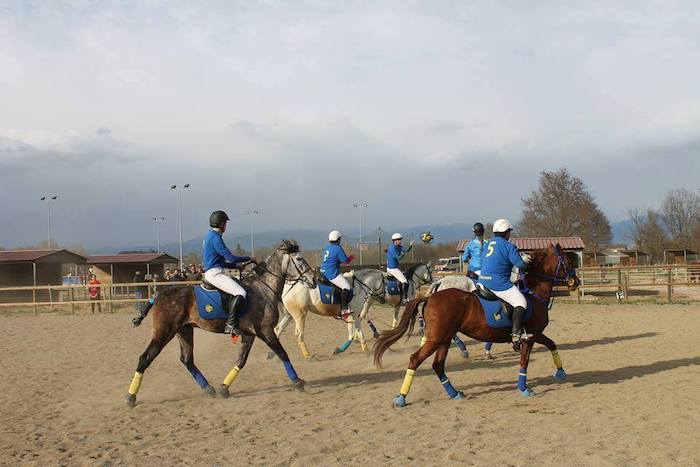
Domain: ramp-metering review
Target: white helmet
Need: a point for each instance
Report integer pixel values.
(396, 236)
(334, 236)
(502, 226)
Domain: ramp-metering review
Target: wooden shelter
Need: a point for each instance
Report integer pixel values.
(123, 267)
(680, 256)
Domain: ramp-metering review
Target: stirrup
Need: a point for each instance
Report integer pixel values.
(344, 316)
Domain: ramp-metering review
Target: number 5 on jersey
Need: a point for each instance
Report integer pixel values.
(489, 250)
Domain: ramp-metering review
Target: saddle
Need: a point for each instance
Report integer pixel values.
(329, 292)
(486, 294)
(391, 278)
(225, 296)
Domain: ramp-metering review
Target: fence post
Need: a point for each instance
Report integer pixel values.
(619, 280)
(109, 298)
(72, 300)
(627, 289)
(670, 285)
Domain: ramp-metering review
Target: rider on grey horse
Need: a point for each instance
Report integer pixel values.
(394, 254)
(217, 258)
(333, 257)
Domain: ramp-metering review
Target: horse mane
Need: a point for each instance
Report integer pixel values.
(409, 272)
(289, 246)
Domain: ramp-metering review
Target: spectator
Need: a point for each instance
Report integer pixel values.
(94, 292)
(177, 276)
(193, 274)
(167, 274)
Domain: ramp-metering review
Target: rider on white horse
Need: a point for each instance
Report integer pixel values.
(394, 254)
(474, 251)
(333, 257)
(217, 258)
(501, 255)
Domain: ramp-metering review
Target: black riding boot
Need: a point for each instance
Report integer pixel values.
(234, 307)
(518, 313)
(404, 293)
(344, 304)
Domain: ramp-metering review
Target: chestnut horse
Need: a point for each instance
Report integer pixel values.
(175, 314)
(449, 311)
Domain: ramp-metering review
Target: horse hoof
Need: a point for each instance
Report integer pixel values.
(560, 375)
(460, 396)
(489, 356)
(399, 401)
(210, 391)
(131, 400)
(527, 392)
(223, 392)
(299, 385)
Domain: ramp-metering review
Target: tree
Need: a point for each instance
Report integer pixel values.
(681, 216)
(563, 207)
(648, 233)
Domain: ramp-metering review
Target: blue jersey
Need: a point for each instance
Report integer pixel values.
(473, 253)
(333, 257)
(216, 255)
(497, 263)
(393, 255)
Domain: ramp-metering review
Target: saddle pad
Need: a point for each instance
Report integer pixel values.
(496, 316)
(330, 294)
(393, 287)
(210, 304)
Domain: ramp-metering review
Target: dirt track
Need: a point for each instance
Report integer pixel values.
(632, 397)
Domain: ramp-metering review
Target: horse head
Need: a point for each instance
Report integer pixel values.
(552, 264)
(288, 262)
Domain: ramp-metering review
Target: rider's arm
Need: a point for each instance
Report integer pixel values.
(515, 258)
(343, 258)
(466, 256)
(403, 253)
(230, 258)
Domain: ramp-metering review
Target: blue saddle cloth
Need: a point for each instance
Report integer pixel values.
(330, 294)
(393, 287)
(210, 304)
(496, 315)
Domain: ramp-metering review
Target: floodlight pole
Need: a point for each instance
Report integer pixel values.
(179, 193)
(360, 205)
(48, 199)
(250, 213)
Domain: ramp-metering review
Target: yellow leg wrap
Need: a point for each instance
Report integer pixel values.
(135, 383)
(231, 376)
(304, 349)
(407, 381)
(423, 340)
(556, 359)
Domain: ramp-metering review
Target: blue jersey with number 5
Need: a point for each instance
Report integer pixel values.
(497, 263)
(333, 257)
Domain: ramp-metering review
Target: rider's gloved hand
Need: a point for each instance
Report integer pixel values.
(526, 257)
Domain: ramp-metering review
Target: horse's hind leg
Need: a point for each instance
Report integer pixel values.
(559, 374)
(268, 336)
(461, 346)
(425, 351)
(186, 338)
(284, 321)
(439, 368)
(246, 344)
(154, 347)
(525, 349)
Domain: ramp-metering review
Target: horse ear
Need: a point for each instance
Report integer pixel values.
(429, 264)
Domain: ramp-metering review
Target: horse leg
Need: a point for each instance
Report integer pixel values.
(559, 374)
(154, 347)
(418, 357)
(364, 314)
(281, 326)
(271, 340)
(186, 338)
(359, 334)
(525, 349)
(246, 344)
(487, 350)
(439, 368)
(461, 346)
(300, 325)
(395, 321)
(351, 334)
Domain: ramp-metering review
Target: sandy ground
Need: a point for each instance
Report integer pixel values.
(632, 397)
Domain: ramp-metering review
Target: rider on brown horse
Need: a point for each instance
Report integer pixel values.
(497, 263)
(217, 258)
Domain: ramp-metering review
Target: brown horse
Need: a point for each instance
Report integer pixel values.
(449, 311)
(175, 314)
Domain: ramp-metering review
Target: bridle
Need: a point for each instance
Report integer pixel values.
(567, 279)
(301, 274)
(371, 293)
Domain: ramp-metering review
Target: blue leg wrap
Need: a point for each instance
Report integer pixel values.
(560, 374)
(199, 378)
(487, 346)
(522, 380)
(290, 371)
(451, 391)
(372, 327)
(152, 301)
(458, 342)
(400, 401)
(344, 346)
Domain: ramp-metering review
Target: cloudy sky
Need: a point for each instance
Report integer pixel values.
(432, 112)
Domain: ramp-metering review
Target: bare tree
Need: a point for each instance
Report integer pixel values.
(681, 216)
(648, 233)
(563, 207)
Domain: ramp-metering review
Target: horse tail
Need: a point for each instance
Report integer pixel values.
(139, 319)
(406, 325)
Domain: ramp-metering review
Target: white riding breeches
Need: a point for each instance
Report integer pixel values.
(341, 282)
(513, 296)
(219, 279)
(397, 274)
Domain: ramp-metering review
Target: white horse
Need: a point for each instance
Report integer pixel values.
(299, 301)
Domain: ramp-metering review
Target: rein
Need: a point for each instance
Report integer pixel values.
(369, 291)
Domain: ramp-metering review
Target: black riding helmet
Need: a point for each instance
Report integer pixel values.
(218, 218)
(479, 228)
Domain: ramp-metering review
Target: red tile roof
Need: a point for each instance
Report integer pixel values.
(21, 256)
(536, 243)
(136, 258)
